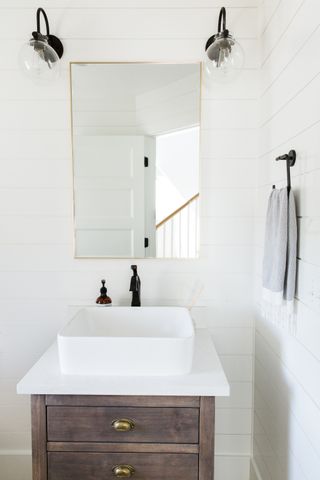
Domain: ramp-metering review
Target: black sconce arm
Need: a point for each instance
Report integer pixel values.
(221, 31)
(222, 18)
(39, 11)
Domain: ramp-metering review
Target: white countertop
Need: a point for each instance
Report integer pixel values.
(206, 378)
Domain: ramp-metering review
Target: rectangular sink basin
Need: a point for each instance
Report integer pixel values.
(127, 341)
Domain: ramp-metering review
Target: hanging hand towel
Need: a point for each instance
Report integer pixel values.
(279, 263)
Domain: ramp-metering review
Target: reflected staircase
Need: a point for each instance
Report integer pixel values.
(178, 234)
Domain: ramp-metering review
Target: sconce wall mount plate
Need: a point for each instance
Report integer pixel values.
(52, 40)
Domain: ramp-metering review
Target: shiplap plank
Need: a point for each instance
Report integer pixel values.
(292, 79)
(124, 4)
(232, 468)
(279, 129)
(233, 421)
(131, 22)
(286, 432)
(305, 21)
(287, 382)
(17, 467)
(282, 16)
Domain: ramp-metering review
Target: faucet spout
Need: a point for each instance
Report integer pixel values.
(135, 287)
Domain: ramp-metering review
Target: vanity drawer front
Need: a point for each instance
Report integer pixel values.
(99, 466)
(96, 424)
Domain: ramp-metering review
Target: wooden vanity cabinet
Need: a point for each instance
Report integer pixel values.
(91, 437)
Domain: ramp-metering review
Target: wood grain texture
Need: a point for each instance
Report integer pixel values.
(94, 424)
(122, 447)
(122, 401)
(206, 438)
(39, 437)
(98, 466)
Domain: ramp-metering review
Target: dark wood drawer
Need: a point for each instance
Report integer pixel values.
(95, 424)
(98, 466)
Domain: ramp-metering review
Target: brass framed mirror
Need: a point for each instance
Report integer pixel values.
(135, 138)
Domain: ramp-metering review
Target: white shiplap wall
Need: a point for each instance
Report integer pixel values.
(38, 275)
(287, 368)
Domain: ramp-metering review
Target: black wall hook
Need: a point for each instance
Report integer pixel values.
(290, 159)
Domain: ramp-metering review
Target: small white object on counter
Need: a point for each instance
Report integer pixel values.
(206, 377)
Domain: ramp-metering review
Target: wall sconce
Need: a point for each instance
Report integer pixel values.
(39, 58)
(224, 56)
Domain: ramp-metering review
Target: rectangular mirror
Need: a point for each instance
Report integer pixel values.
(135, 136)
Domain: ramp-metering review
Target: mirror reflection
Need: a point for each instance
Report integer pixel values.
(135, 134)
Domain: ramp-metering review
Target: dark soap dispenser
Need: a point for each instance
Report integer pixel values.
(103, 299)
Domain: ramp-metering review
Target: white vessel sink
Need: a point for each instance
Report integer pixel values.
(127, 341)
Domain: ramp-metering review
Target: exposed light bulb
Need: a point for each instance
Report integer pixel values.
(39, 61)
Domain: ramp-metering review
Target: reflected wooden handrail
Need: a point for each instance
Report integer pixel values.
(165, 220)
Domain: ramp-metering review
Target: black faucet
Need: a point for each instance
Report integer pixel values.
(135, 287)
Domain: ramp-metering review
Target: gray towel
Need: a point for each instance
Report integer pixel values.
(279, 263)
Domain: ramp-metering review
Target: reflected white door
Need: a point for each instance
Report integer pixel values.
(109, 196)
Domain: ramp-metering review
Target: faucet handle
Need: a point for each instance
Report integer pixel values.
(135, 285)
(135, 282)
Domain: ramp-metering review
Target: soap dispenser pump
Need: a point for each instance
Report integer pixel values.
(103, 299)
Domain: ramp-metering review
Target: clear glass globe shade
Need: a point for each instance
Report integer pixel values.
(224, 59)
(39, 61)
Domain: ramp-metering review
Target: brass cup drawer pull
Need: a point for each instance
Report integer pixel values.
(123, 471)
(123, 425)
